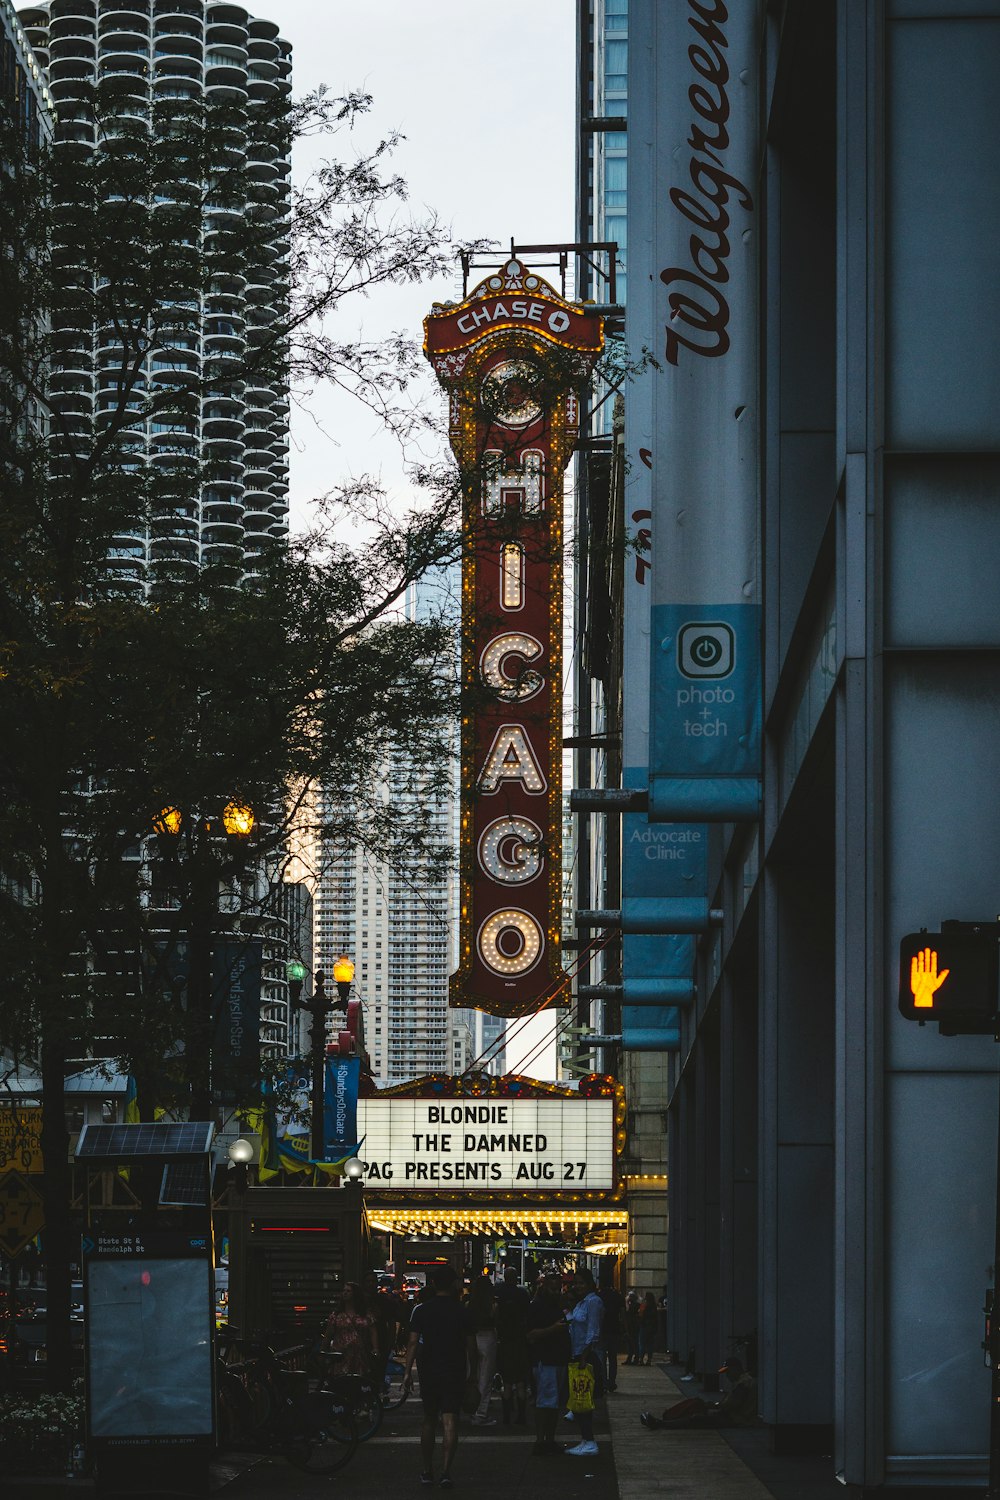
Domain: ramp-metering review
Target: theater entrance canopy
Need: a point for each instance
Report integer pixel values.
(479, 1155)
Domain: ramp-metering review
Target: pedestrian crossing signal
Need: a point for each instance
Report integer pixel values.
(951, 977)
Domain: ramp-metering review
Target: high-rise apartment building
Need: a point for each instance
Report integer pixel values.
(156, 51)
(399, 924)
(22, 84)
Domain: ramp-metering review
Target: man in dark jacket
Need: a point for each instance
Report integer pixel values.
(443, 1343)
(611, 1329)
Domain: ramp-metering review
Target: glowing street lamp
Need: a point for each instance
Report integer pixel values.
(343, 973)
(189, 843)
(168, 821)
(238, 819)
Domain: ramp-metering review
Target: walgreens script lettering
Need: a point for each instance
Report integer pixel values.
(699, 304)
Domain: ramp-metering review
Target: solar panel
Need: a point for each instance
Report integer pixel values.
(185, 1138)
(185, 1183)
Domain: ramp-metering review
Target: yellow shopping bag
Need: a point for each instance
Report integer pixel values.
(581, 1386)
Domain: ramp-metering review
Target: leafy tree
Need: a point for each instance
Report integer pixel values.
(252, 680)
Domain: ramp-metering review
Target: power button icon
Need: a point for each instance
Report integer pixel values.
(706, 649)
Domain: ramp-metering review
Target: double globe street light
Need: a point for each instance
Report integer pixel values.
(318, 1007)
(190, 841)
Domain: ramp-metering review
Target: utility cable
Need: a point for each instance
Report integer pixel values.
(510, 1033)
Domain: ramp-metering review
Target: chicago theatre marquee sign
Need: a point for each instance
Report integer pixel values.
(512, 358)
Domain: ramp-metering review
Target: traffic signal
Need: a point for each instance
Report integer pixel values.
(951, 977)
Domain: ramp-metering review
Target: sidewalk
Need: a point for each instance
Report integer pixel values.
(497, 1463)
(675, 1464)
(733, 1463)
(492, 1463)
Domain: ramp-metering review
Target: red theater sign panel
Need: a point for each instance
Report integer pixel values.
(513, 357)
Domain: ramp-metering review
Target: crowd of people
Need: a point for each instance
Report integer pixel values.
(460, 1337)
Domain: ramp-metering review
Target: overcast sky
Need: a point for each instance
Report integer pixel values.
(484, 93)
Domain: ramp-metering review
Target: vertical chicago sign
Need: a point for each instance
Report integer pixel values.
(512, 358)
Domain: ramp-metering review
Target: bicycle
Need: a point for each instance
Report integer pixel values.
(360, 1394)
(263, 1408)
(393, 1377)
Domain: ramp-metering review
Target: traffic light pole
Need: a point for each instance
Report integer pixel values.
(952, 977)
(993, 1491)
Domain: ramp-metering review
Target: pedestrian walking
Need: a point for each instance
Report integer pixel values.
(513, 1350)
(584, 1320)
(632, 1328)
(482, 1306)
(442, 1342)
(548, 1340)
(611, 1330)
(350, 1335)
(384, 1310)
(647, 1329)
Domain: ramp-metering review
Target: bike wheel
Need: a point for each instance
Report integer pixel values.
(392, 1393)
(369, 1414)
(235, 1411)
(328, 1449)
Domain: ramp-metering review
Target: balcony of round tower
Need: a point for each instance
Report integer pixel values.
(179, 10)
(65, 32)
(85, 10)
(175, 67)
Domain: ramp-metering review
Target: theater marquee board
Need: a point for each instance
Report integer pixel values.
(489, 1145)
(513, 357)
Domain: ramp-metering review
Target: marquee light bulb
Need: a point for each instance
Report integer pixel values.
(510, 941)
(510, 850)
(493, 664)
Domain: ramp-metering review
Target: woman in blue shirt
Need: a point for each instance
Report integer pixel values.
(585, 1320)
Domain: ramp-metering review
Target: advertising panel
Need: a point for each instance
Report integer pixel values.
(149, 1339)
(512, 357)
(488, 1144)
(657, 861)
(701, 259)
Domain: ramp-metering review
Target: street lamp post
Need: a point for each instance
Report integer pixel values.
(240, 1154)
(194, 834)
(319, 1008)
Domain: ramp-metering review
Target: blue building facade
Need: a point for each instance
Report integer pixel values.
(812, 441)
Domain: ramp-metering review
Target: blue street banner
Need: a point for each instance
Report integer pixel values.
(284, 1123)
(666, 862)
(706, 699)
(237, 965)
(343, 1077)
(705, 679)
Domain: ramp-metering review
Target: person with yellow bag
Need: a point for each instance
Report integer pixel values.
(585, 1321)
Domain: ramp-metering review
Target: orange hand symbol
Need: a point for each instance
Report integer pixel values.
(925, 980)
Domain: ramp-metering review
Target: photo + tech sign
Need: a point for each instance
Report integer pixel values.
(563, 1144)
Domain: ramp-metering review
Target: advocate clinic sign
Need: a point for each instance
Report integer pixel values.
(512, 357)
(488, 1144)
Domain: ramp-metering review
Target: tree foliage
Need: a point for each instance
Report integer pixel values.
(255, 677)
